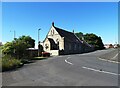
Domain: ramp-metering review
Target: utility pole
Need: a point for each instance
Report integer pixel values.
(13, 39)
(38, 43)
(14, 33)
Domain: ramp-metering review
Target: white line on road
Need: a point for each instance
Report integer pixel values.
(115, 56)
(100, 71)
(108, 60)
(111, 58)
(68, 61)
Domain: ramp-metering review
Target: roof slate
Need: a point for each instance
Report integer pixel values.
(69, 36)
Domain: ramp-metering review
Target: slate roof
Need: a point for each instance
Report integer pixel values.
(69, 36)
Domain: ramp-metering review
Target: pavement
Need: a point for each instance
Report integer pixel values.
(66, 70)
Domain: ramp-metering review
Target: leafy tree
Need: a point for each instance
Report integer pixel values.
(8, 48)
(17, 47)
(79, 35)
(28, 40)
(92, 39)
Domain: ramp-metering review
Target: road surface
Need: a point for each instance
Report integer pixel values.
(67, 70)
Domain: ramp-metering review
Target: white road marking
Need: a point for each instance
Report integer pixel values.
(92, 69)
(68, 61)
(111, 58)
(108, 60)
(115, 56)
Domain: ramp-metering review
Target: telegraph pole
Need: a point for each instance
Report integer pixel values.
(13, 39)
(14, 33)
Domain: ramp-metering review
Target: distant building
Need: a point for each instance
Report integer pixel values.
(59, 41)
(108, 46)
(116, 45)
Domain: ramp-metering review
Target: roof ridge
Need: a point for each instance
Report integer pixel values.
(70, 36)
(63, 30)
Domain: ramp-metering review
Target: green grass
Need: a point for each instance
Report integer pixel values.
(39, 58)
(9, 63)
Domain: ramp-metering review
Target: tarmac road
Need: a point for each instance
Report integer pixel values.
(67, 70)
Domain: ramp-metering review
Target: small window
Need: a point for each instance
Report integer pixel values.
(46, 46)
(53, 32)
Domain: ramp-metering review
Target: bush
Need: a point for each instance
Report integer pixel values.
(9, 63)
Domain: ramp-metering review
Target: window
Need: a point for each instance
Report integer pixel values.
(46, 46)
(52, 32)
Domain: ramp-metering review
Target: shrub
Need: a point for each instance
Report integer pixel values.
(9, 63)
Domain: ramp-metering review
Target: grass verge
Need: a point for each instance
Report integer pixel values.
(9, 63)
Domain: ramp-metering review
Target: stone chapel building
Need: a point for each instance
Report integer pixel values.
(59, 41)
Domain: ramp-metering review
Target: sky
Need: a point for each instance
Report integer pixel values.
(25, 18)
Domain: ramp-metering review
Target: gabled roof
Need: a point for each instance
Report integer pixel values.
(69, 36)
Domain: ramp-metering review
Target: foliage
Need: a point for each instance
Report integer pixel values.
(79, 35)
(17, 48)
(92, 39)
(118, 45)
(9, 63)
(27, 39)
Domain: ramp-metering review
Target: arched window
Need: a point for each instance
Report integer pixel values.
(52, 32)
(46, 46)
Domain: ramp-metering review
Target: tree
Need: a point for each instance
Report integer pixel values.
(17, 47)
(8, 48)
(79, 35)
(92, 39)
(28, 40)
(118, 45)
